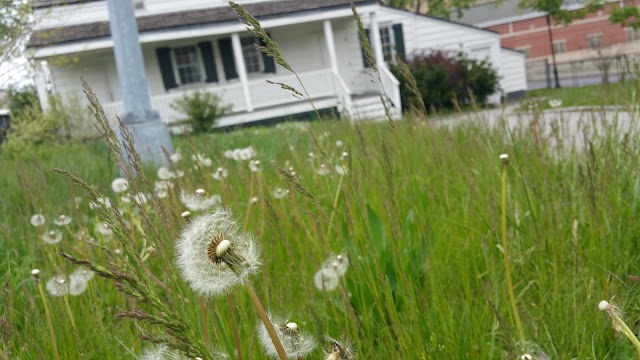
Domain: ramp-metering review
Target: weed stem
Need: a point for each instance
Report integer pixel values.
(47, 313)
(265, 320)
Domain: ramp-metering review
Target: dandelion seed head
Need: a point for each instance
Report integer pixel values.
(220, 174)
(555, 103)
(504, 158)
(126, 199)
(140, 198)
(52, 236)
(37, 220)
(341, 170)
(161, 193)
(254, 200)
(119, 185)
(279, 193)
(185, 214)
(165, 174)
(83, 273)
(175, 157)
(62, 220)
(198, 201)
(326, 279)
(58, 286)
(77, 284)
(35, 273)
(344, 155)
(526, 357)
(201, 160)
(323, 170)
(339, 144)
(160, 352)
(100, 202)
(163, 185)
(296, 344)
(104, 229)
(254, 165)
(340, 350)
(195, 253)
(603, 305)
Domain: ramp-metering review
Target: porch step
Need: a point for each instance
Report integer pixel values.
(368, 107)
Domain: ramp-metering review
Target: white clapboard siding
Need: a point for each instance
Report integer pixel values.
(513, 73)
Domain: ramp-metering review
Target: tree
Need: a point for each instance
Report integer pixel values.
(439, 8)
(554, 10)
(627, 16)
(15, 26)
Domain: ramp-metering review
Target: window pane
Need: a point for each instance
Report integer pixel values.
(387, 45)
(251, 54)
(559, 47)
(187, 64)
(594, 41)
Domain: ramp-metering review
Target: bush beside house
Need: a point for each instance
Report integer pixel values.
(447, 80)
(202, 109)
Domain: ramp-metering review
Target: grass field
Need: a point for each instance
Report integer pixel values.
(602, 95)
(418, 214)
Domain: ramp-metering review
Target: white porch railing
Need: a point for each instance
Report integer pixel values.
(318, 83)
(391, 87)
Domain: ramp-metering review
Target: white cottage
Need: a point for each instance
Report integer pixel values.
(191, 45)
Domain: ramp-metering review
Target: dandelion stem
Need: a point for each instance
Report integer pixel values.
(628, 333)
(203, 319)
(265, 320)
(235, 326)
(335, 204)
(505, 249)
(47, 313)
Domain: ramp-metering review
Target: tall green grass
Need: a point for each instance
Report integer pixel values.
(418, 214)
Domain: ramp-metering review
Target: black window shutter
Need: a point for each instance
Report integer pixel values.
(208, 60)
(226, 53)
(364, 57)
(166, 68)
(399, 40)
(269, 63)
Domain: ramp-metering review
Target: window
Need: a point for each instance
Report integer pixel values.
(138, 4)
(559, 46)
(187, 64)
(252, 57)
(632, 34)
(594, 41)
(388, 47)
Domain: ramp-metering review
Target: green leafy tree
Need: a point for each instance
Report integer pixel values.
(15, 26)
(555, 11)
(627, 16)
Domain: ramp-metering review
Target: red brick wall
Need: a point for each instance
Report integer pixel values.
(532, 33)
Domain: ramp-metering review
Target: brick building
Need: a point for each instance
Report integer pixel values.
(526, 30)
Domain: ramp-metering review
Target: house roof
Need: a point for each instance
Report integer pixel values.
(435, 18)
(497, 10)
(49, 3)
(182, 19)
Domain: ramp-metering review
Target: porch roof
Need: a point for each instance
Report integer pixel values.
(184, 19)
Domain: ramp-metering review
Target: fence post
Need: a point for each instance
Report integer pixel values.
(547, 73)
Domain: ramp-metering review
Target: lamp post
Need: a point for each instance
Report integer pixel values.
(149, 133)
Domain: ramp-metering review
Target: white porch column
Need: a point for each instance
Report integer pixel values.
(241, 69)
(41, 85)
(376, 44)
(331, 46)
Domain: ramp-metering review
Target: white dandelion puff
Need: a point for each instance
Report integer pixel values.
(165, 174)
(201, 160)
(207, 268)
(119, 185)
(296, 344)
(100, 202)
(77, 284)
(340, 350)
(140, 198)
(254, 165)
(160, 352)
(341, 170)
(326, 279)
(52, 236)
(279, 193)
(220, 174)
(163, 185)
(344, 155)
(526, 357)
(311, 156)
(339, 144)
(83, 273)
(162, 193)
(185, 214)
(37, 220)
(254, 200)
(199, 201)
(228, 154)
(62, 220)
(175, 157)
(323, 170)
(104, 229)
(338, 263)
(58, 286)
(246, 153)
(126, 199)
(35, 273)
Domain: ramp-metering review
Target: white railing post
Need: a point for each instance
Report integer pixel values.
(343, 93)
(241, 69)
(376, 44)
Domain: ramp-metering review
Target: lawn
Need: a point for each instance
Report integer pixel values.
(417, 215)
(602, 95)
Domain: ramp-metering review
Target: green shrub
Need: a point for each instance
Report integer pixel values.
(202, 110)
(446, 79)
